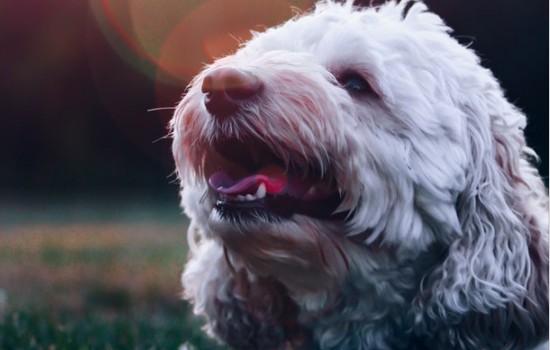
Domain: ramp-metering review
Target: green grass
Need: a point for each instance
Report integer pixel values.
(95, 285)
(44, 330)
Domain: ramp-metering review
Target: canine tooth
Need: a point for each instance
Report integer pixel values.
(260, 192)
(250, 197)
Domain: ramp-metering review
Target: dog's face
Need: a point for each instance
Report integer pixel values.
(335, 133)
(333, 120)
(365, 161)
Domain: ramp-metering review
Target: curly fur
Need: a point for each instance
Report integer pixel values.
(445, 243)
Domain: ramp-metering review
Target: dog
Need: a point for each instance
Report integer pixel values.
(355, 179)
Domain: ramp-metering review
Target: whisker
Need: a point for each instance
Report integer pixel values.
(165, 137)
(161, 109)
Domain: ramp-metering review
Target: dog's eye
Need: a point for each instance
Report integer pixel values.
(355, 84)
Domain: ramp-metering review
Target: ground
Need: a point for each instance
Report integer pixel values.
(81, 278)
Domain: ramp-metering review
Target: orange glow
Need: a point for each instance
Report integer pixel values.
(214, 29)
(179, 37)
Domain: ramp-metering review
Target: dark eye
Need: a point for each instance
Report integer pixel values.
(355, 84)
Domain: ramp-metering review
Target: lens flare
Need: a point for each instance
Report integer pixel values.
(178, 37)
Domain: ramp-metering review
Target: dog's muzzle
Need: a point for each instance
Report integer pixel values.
(249, 179)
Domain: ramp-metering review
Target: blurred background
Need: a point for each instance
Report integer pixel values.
(91, 237)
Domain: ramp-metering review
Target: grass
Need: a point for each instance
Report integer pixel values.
(95, 285)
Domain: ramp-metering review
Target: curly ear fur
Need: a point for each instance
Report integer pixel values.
(493, 286)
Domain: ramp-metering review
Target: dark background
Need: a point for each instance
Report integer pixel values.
(74, 117)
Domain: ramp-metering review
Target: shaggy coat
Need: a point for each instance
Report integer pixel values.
(424, 225)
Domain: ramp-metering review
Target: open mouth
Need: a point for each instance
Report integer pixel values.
(251, 182)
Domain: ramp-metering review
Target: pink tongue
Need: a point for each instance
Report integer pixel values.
(273, 177)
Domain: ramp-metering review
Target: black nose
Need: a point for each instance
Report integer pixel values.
(226, 88)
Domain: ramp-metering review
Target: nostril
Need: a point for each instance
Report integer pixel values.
(207, 85)
(225, 88)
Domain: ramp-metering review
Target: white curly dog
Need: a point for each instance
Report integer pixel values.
(356, 179)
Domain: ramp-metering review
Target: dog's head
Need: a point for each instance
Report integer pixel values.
(354, 139)
(341, 116)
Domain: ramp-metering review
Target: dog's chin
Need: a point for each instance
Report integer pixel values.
(251, 183)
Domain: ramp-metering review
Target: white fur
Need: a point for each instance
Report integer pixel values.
(447, 244)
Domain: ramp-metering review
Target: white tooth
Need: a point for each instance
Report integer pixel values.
(240, 198)
(260, 192)
(250, 197)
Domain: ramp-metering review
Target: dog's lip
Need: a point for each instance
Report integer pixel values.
(280, 207)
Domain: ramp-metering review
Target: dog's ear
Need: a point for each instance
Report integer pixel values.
(499, 260)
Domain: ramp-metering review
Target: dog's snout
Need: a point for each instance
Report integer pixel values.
(226, 88)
